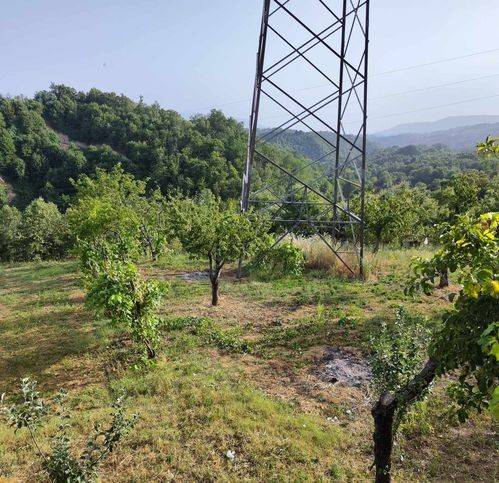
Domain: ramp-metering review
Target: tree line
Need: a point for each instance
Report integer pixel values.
(176, 155)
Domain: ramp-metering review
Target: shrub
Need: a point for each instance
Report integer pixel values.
(398, 350)
(283, 259)
(61, 464)
(119, 292)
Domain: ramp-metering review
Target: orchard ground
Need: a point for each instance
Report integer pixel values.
(238, 393)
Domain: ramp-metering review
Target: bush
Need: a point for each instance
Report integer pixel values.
(398, 350)
(283, 259)
(119, 292)
(61, 464)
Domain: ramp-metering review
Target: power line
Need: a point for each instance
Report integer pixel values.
(393, 71)
(437, 86)
(421, 89)
(435, 62)
(426, 108)
(435, 107)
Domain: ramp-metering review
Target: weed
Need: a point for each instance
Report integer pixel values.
(227, 340)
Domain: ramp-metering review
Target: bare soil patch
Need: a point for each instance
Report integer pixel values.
(343, 367)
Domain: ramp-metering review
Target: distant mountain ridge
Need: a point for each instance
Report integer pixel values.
(457, 138)
(440, 125)
(463, 138)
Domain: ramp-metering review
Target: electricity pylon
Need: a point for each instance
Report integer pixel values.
(312, 66)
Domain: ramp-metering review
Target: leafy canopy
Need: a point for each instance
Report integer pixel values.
(210, 228)
(468, 340)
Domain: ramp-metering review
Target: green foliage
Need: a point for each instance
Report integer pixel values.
(217, 231)
(283, 259)
(10, 221)
(470, 192)
(155, 232)
(468, 339)
(119, 292)
(179, 156)
(39, 233)
(30, 409)
(112, 212)
(398, 351)
(43, 233)
(61, 464)
(415, 165)
(103, 218)
(397, 215)
(489, 148)
(421, 165)
(4, 199)
(108, 226)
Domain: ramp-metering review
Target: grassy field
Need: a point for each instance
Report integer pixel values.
(239, 377)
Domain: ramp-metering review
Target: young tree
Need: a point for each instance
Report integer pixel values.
(107, 226)
(62, 464)
(10, 220)
(111, 209)
(120, 293)
(153, 223)
(398, 214)
(103, 219)
(43, 232)
(217, 231)
(468, 338)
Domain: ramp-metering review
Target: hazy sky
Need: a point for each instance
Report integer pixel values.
(191, 55)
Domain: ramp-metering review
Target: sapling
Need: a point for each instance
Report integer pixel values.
(61, 463)
(218, 232)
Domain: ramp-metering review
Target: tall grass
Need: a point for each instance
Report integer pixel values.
(318, 256)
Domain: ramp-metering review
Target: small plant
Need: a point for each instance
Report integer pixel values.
(120, 293)
(284, 259)
(61, 464)
(398, 350)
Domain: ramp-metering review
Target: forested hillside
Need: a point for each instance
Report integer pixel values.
(179, 156)
(410, 163)
(62, 133)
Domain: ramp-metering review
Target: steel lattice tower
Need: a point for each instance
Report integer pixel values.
(302, 44)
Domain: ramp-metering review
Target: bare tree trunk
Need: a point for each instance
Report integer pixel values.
(444, 278)
(215, 281)
(214, 292)
(151, 353)
(383, 414)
